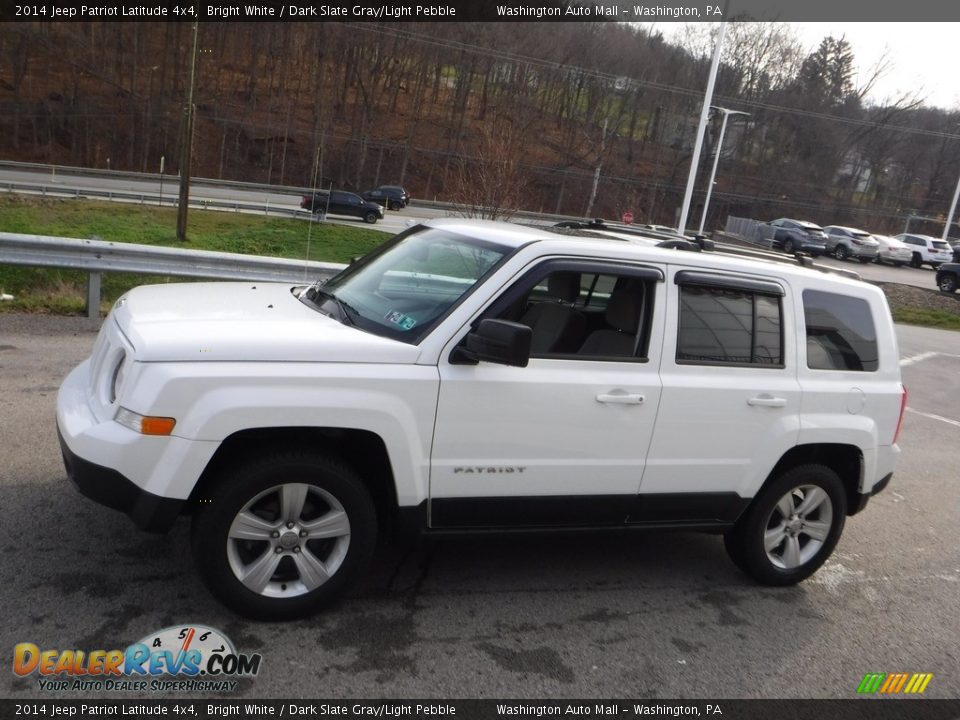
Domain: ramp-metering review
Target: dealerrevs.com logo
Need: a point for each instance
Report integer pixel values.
(179, 658)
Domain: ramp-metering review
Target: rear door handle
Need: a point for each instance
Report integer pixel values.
(767, 401)
(620, 398)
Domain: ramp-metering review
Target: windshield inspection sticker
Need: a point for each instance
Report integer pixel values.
(398, 318)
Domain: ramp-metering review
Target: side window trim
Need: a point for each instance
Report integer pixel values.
(728, 282)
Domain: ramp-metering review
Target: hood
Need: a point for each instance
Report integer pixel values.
(243, 322)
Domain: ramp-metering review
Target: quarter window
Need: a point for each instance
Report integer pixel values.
(726, 326)
(840, 332)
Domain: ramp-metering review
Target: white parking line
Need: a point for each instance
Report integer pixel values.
(913, 359)
(955, 423)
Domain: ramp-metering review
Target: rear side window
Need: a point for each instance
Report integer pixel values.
(840, 332)
(721, 326)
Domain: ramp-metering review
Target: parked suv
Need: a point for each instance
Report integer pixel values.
(847, 242)
(793, 235)
(471, 376)
(926, 250)
(338, 202)
(392, 197)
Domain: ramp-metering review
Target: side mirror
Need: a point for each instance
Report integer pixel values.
(498, 341)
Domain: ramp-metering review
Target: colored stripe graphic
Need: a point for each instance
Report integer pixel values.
(894, 683)
(871, 682)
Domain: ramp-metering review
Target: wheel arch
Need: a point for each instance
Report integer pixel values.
(845, 460)
(363, 450)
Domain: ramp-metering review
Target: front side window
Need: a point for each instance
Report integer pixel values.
(728, 326)
(404, 288)
(582, 312)
(840, 332)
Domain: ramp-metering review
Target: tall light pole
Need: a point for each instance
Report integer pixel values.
(186, 147)
(716, 159)
(701, 128)
(953, 207)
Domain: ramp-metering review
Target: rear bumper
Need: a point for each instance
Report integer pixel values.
(863, 498)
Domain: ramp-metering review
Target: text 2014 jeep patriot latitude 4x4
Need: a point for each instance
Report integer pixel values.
(469, 376)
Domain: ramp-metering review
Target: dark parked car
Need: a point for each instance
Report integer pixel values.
(798, 235)
(393, 197)
(948, 277)
(338, 202)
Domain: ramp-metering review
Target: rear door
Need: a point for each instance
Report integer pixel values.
(730, 405)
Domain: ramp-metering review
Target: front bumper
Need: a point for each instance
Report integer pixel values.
(148, 477)
(110, 488)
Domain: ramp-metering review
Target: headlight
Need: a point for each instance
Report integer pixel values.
(117, 380)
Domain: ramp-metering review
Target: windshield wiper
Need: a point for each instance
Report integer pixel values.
(343, 307)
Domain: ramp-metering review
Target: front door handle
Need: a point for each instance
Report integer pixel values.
(767, 401)
(620, 398)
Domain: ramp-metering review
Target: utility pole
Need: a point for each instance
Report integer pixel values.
(701, 128)
(186, 146)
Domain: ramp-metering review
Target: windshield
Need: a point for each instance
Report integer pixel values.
(403, 289)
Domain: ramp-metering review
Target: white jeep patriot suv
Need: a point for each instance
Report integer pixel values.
(469, 376)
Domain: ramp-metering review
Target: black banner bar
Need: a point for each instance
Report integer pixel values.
(479, 10)
(219, 708)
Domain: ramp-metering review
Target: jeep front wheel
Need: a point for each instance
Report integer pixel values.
(792, 526)
(280, 537)
(840, 252)
(948, 283)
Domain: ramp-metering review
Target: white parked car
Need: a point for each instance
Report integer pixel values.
(926, 250)
(471, 376)
(893, 251)
(847, 242)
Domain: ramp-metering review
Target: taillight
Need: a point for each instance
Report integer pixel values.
(903, 407)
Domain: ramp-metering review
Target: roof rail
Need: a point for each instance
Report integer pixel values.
(797, 258)
(698, 243)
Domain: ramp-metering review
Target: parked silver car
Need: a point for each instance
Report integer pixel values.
(847, 242)
(892, 251)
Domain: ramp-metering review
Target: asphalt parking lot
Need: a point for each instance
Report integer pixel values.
(642, 615)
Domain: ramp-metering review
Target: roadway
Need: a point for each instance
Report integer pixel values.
(646, 615)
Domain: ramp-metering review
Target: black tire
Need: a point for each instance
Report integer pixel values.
(336, 506)
(370, 217)
(840, 252)
(916, 261)
(947, 283)
(788, 246)
(395, 206)
(746, 541)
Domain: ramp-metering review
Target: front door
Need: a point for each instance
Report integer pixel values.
(562, 441)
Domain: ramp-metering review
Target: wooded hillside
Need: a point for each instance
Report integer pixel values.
(527, 113)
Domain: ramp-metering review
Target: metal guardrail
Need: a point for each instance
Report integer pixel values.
(99, 256)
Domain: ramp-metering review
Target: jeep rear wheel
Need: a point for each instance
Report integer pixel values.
(948, 283)
(792, 526)
(283, 536)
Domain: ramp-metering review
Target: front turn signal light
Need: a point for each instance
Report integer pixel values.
(145, 424)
